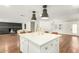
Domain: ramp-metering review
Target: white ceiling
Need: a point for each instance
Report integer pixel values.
(60, 12)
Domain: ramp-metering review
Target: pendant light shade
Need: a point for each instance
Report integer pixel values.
(44, 14)
(33, 15)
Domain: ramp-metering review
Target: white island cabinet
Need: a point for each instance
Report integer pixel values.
(39, 43)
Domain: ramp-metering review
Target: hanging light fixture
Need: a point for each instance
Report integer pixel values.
(44, 14)
(33, 16)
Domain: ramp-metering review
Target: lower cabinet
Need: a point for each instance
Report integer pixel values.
(23, 45)
(30, 47)
(33, 48)
(51, 47)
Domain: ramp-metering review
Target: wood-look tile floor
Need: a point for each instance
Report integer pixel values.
(9, 43)
(69, 44)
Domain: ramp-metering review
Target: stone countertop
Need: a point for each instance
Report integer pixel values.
(39, 38)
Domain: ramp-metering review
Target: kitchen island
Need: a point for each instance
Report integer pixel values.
(39, 43)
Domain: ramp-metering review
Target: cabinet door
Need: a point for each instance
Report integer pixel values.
(33, 48)
(45, 48)
(23, 45)
(21, 41)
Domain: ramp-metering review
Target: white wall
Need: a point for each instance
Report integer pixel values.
(50, 25)
(53, 26)
(68, 27)
(45, 25)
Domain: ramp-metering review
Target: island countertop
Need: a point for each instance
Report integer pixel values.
(39, 39)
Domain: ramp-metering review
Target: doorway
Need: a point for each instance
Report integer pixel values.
(74, 29)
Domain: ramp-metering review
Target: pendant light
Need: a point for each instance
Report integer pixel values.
(33, 16)
(44, 14)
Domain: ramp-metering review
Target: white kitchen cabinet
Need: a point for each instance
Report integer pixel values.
(50, 47)
(33, 48)
(30, 47)
(23, 45)
(47, 43)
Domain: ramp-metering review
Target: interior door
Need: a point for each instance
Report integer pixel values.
(74, 29)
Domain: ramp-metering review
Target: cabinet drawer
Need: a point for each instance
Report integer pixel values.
(47, 47)
(55, 46)
(51, 46)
